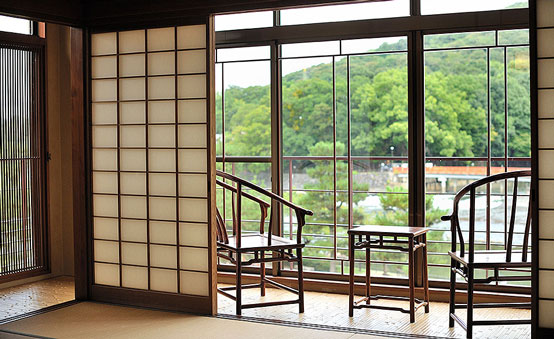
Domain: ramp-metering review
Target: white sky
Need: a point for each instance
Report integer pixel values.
(252, 73)
(14, 25)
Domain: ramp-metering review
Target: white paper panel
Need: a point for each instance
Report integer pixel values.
(192, 86)
(162, 184)
(191, 61)
(161, 160)
(193, 185)
(104, 182)
(163, 280)
(104, 159)
(193, 209)
(195, 283)
(134, 254)
(104, 43)
(192, 160)
(104, 136)
(163, 256)
(193, 234)
(104, 67)
(162, 232)
(545, 47)
(104, 113)
(545, 13)
(133, 207)
(134, 230)
(104, 205)
(546, 137)
(546, 310)
(106, 228)
(546, 164)
(546, 254)
(545, 72)
(546, 222)
(194, 259)
(546, 284)
(163, 208)
(161, 39)
(131, 89)
(161, 136)
(132, 136)
(191, 37)
(192, 111)
(134, 277)
(161, 87)
(133, 183)
(106, 251)
(132, 113)
(132, 159)
(546, 194)
(546, 103)
(192, 136)
(162, 63)
(131, 41)
(104, 90)
(161, 111)
(131, 65)
(106, 274)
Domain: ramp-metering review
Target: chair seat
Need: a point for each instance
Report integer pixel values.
(257, 242)
(492, 259)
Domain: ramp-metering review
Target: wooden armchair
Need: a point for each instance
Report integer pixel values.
(259, 244)
(465, 263)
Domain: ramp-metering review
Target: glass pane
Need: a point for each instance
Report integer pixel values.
(334, 13)
(247, 108)
(374, 45)
(310, 49)
(457, 40)
(243, 20)
(519, 106)
(243, 53)
(513, 37)
(15, 25)
(455, 6)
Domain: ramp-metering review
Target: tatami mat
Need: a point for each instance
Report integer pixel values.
(96, 320)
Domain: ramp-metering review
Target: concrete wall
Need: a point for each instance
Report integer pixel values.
(59, 187)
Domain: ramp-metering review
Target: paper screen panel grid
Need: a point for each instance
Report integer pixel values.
(149, 165)
(545, 104)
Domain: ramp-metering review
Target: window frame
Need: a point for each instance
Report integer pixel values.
(415, 27)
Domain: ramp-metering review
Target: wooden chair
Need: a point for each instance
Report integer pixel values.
(278, 249)
(465, 263)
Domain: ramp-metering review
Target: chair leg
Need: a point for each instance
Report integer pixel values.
(368, 274)
(452, 293)
(470, 274)
(262, 275)
(300, 281)
(351, 276)
(425, 274)
(239, 284)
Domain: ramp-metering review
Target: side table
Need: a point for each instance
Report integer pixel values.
(387, 237)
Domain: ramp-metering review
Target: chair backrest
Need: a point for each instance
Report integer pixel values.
(471, 189)
(238, 193)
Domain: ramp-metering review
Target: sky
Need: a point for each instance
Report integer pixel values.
(258, 73)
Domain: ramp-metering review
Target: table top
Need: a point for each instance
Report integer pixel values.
(395, 231)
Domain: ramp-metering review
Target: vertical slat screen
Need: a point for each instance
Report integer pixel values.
(545, 87)
(149, 130)
(22, 245)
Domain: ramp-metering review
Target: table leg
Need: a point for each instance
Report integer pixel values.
(351, 276)
(411, 278)
(368, 272)
(425, 274)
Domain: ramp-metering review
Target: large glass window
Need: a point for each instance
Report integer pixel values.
(477, 123)
(15, 25)
(345, 129)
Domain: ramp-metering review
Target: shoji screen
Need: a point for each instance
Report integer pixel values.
(151, 167)
(545, 82)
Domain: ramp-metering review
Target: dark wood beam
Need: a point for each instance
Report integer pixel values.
(53, 11)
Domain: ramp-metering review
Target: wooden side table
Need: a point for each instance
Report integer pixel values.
(387, 237)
